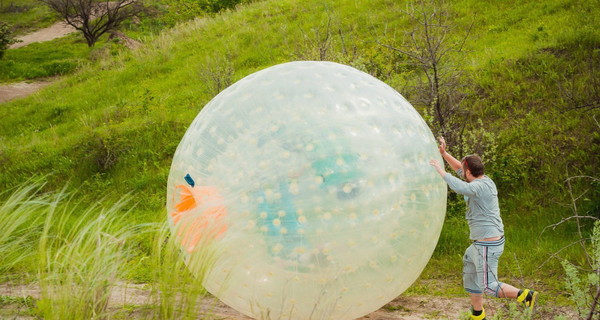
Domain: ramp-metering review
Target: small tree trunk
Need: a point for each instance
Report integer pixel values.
(594, 305)
(90, 39)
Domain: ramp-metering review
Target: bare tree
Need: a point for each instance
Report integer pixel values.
(432, 47)
(92, 17)
(585, 294)
(217, 73)
(326, 41)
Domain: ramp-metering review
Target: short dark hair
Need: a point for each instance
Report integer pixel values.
(474, 164)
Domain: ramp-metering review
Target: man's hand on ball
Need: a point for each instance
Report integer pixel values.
(442, 146)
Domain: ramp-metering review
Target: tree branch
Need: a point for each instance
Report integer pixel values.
(553, 226)
(594, 304)
(560, 250)
(91, 18)
(401, 51)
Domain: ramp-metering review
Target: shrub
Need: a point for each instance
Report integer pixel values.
(584, 287)
(6, 38)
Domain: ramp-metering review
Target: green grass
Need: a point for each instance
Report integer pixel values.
(64, 55)
(20, 222)
(44, 59)
(26, 15)
(75, 113)
(82, 253)
(78, 253)
(176, 290)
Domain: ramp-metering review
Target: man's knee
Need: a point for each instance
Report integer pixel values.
(493, 289)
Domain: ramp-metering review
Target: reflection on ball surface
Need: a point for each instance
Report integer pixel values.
(311, 181)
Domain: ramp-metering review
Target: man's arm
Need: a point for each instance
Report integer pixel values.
(438, 167)
(454, 183)
(460, 186)
(452, 161)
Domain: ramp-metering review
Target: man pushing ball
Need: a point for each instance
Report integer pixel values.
(480, 262)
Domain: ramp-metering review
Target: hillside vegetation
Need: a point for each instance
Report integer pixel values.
(25, 15)
(531, 106)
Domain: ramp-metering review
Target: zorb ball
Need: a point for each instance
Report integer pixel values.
(311, 185)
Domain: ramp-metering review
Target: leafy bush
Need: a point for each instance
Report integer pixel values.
(6, 38)
(60, 67)
(584, 287)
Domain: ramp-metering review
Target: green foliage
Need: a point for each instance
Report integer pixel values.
(85, 251)
(481, 140)
(583, 287)
(214, 6)
(45, 59)
(17, 306)
(20, 223)
(578, 288)
(177, 278)
(27, 302)
(513, 311)
(6, 38)
(25, 15)
(217, 73)
(184, 10)
(82, 252)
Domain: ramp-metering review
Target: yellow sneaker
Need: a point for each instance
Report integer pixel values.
(479, 317)
(528, 298)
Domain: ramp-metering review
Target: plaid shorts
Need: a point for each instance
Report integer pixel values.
(480, 267)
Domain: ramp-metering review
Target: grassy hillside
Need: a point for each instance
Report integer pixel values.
(25, 15)
(113, 127)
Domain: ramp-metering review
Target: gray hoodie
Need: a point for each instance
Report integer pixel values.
(483, 210)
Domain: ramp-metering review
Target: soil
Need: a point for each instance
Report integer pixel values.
(409, 307)
(57, 30)
(20, 89)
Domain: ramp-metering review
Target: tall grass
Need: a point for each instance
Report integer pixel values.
(177, 278)
(82, 255)
(20, 220)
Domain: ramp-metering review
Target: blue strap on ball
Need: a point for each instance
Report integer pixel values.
(189, 180)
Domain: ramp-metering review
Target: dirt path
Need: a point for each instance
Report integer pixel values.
(402, 308)
(57, 30)
(20, 89)
(60, 29)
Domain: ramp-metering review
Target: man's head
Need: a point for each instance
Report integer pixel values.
(473, 166)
